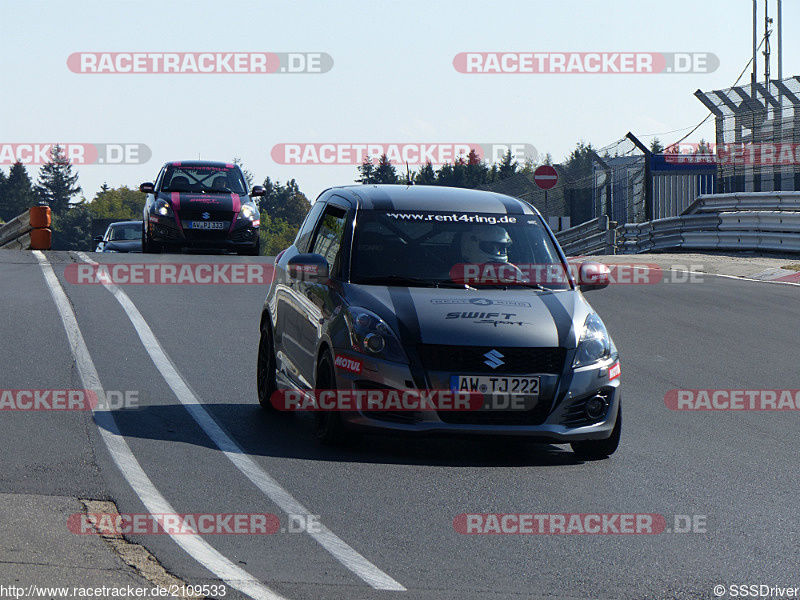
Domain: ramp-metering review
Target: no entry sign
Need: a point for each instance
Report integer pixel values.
(545, 177)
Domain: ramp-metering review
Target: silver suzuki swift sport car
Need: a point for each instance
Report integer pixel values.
(391, 287)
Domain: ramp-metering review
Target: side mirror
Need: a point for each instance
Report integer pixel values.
(308, 267)
(147, 188)
(593, 276)
(258, 191)
(98, 238)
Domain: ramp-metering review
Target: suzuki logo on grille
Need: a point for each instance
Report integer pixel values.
(494, 359)
(206, 215)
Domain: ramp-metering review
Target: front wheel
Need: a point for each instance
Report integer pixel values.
(329, 429)
(254, 251)
(265, 370)
(599, 449)
(148, 245)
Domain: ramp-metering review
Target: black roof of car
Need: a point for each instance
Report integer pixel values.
(199, 163)
(432, 198)
(123, 223)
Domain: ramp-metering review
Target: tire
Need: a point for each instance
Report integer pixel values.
(329, 429)
(599, 449)
(265, 370)
(148, 245)
(254, 251)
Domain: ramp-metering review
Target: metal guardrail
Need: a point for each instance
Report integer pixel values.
(30, 230)
(745, 201)
(597, 236)
(16, 228)
(756, 221)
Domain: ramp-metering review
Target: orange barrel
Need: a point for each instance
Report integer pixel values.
(40, 217)
(41, 239)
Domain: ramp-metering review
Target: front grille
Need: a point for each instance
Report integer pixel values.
(215, 215)
(471, 359)
(535, 416)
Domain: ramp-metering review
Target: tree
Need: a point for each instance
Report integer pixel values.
(17, 194)
(579, 161)
(508, 166)
(285, 202)
(385, 171)
(475, 172)
(121, 203)
(656, 147)
(426, 175)
(578, 185)
(703, 147)
(248, 176)
(276, 235)
(57, 185)
(366, 170)
(72, 230)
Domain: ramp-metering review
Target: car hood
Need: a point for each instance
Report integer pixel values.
(511, 318)
(202, 202)
(124, 246)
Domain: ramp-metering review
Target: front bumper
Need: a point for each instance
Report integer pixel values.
(558, 417)
(169, 231)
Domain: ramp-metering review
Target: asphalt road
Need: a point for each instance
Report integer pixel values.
(392, 500)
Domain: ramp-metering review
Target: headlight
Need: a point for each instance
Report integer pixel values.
(163, 208)
(594, 345)
(372, 336)
(248, 212)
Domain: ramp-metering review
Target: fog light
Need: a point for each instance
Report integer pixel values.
(596, 407)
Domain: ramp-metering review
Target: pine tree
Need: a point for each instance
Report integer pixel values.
(426, 175)
(656, 147)
(367, 171)
(17, 193)
(508, 166)
(57, 185)
(385, 171)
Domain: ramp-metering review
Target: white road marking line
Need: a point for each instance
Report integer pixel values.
(337, 547)
(194, 545)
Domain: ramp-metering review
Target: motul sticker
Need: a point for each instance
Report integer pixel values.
(613, 372)
(348, 364)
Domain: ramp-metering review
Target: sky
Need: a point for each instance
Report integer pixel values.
(392, 78)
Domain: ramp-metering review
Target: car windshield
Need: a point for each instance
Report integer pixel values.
(437, 248)
(125, 233)
(203, 179)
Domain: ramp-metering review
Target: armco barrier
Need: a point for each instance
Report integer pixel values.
(743, 221)
(745, 201)
(29, 231)
(597, 236)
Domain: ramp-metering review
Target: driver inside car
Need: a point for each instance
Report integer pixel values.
(490, 244)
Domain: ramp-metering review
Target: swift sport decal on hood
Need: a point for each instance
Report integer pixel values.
(424, 315)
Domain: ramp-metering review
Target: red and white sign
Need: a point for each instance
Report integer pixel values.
(546, 177)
